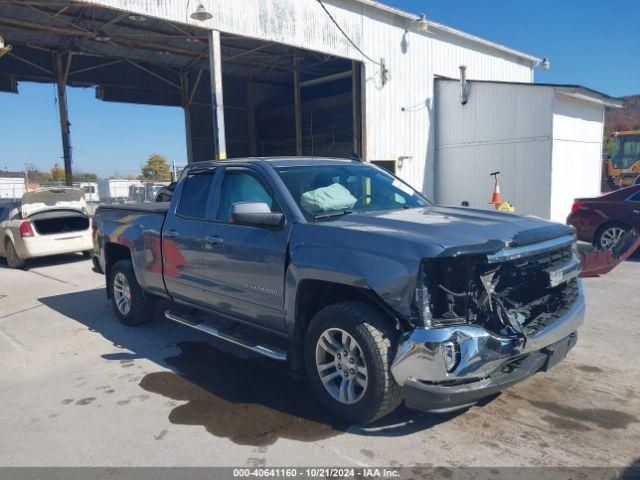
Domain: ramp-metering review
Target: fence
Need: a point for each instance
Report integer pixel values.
(103, 192)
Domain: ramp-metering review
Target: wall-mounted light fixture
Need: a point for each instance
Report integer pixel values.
(4, 48)
(546, 64)
(421, 23)
(201, 14)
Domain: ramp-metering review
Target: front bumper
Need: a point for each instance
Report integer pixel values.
(487, 361)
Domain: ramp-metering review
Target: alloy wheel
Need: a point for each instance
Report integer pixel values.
(341, 366)
(122, 293)
(611, 236)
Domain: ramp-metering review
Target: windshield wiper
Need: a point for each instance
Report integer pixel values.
(337, 213)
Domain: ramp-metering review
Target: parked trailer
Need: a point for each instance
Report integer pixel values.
(116, 190)
(12, 188)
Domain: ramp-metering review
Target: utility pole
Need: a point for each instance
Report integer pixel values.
(61, 82)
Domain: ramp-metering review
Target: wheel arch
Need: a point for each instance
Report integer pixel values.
(312, 295)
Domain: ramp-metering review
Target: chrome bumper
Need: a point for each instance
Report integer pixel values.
(420, 356)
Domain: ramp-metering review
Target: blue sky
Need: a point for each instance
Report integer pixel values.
(589, 42)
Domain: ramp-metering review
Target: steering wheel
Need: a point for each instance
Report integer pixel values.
(363, 197)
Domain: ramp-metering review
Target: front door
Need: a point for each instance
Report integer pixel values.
(182, 236)
(244, 265)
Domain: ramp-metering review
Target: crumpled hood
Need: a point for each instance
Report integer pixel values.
(53, 199)
(453, 228)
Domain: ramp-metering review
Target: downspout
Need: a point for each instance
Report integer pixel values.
(464, 90)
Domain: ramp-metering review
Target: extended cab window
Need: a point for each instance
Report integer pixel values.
(243, 186)
(195, 194)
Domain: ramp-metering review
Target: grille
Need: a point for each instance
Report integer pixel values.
(561, 302)
(545, 260)
(525, 282)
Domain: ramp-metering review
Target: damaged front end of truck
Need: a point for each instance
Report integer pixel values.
(487, 317)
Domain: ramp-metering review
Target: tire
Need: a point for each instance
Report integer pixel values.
(123, 285)
(13, 260)
(607, 233)
(376, 343)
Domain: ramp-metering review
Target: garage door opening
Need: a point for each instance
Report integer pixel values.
(280, 101)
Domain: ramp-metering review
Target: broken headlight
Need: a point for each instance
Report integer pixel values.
(423, 317)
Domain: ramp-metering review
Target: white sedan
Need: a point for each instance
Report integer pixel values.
(48, 221)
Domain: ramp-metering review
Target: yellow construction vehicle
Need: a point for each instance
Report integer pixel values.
(623, 165)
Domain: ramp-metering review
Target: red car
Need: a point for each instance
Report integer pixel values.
(604, 220)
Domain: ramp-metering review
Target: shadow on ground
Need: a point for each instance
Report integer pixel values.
(230, 392)
(48, 261)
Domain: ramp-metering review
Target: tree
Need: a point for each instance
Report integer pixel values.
(56, 173)
(156, 168)
(85, 177)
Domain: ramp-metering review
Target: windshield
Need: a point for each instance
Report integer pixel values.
(323, 191)
(627, 151)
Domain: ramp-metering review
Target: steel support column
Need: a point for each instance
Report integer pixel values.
(186, 106)
(251, 118)
(215, 68)
(297, 101)
(61, 81)
(355, 103)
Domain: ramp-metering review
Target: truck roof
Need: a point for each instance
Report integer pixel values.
(282, 161)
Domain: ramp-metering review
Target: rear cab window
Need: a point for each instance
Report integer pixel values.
(194, 199)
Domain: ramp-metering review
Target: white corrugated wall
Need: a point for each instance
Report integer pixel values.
(577, 153)
(506, 128)
(412, 60)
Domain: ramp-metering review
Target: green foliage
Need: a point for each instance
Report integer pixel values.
(156, 168)
(85, 177)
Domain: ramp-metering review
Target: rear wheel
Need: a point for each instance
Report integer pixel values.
(349, 348)
(132, 305)
(610, 235)
(13, 260)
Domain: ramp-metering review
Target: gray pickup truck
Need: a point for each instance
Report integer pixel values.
(342, 269)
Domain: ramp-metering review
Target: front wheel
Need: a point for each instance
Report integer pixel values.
(131, 304)
(349, 349)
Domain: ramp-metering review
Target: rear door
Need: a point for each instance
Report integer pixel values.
(182, 235)
(245, 265)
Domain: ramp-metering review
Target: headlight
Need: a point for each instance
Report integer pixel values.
(421, 300)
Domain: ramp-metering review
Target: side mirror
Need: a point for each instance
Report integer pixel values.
(256, 214)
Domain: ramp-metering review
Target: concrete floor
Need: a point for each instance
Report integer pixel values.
(79, 389)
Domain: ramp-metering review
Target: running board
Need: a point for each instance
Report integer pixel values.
(265, 350)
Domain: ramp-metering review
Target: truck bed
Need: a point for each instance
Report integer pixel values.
(159, 207)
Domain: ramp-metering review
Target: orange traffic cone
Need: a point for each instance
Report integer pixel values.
(496, 198)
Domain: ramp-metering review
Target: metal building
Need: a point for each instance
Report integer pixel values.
(260, 77)
(546, 140)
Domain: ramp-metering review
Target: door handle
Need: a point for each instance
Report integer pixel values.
(171, 234)
(214, 240)
(637, 212)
